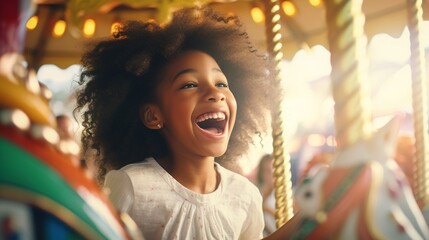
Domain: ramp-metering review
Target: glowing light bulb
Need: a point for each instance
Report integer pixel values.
(59, 28)
(289, 8)
(115, 26)
(89, 27)
(32, 22)
(257, 14)
(315, 3)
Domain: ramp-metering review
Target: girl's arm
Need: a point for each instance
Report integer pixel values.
(119, 189)
(254, 224)
(286, 231)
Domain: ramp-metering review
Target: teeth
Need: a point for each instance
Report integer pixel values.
(213, 115)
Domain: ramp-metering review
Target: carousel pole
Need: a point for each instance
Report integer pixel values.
(420, 109)
(347, 42)
(281, 164)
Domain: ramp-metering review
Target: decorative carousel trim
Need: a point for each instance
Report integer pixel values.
(50, 206)
(17, 119)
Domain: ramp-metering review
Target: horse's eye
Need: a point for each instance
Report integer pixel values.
(308, 194)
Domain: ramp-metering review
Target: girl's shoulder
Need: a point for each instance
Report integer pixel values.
(135, 171)
(145, 165)
(233, 180)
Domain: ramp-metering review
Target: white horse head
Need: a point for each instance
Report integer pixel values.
(364, 194)
(379, 147)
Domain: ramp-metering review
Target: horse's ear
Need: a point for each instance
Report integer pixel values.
(388, 133)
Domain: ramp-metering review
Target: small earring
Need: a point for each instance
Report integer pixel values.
(159, 126)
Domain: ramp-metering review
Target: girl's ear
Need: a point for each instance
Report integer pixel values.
(151, 116)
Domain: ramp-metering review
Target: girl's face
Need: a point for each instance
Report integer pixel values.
(197, 108)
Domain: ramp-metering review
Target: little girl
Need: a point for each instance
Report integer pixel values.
(159, 105)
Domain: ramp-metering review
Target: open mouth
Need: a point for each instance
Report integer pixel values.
(213, 122)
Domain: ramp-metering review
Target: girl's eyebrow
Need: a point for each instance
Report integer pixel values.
(184, 71)
(191, 70)
(217, 70)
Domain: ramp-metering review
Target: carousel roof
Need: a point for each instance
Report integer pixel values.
(306, 28)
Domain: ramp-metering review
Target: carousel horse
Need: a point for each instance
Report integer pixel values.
(44, 193)
(362, 195)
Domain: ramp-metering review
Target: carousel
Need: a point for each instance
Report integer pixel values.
(361, 194)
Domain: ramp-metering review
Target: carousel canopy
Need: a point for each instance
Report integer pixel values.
(303, 23)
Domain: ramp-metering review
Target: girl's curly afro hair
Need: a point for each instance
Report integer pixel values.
(119, 75)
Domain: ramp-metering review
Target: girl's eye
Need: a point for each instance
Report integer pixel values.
(189, 85)
(222, 85)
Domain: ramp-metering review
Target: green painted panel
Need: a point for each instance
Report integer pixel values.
(20, 169)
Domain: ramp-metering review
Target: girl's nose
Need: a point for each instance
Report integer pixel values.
(215, 95)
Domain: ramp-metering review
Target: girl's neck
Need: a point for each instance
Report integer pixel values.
(198, 175)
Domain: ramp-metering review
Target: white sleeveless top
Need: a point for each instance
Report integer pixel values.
(165, 209)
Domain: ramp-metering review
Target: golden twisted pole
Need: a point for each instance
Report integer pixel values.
(281, 164)
(419, 89)
(347, 43)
